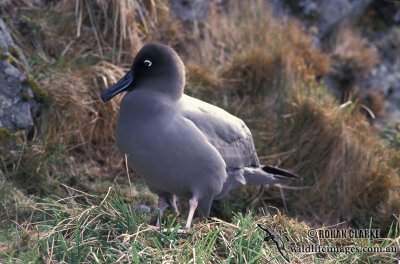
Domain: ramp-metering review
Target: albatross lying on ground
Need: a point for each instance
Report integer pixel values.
(181, 146)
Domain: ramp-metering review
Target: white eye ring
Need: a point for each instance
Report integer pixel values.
(147, 63)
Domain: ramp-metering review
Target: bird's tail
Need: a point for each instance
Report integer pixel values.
(280, 172)
(266, 175)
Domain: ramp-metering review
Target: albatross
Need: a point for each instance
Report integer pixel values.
(182, 146)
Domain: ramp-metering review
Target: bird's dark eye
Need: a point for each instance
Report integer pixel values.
(147, 63)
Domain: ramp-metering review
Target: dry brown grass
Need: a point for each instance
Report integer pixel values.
(254, 52)
(346, 169)
(114, 24)
(82, 124)
(124, 25)
(68, 31)
(202, 81)
(81, 117)
(256, 72)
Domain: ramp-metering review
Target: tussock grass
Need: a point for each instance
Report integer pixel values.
(77, 108)
(349, 175)
(123, 26)
(87, 32)
(343, 162)
(253, 51)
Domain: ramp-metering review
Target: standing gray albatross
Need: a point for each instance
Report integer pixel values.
(181, 146)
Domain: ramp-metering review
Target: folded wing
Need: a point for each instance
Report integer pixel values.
(227, 133)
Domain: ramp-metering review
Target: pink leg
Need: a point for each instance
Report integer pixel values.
(162, 204)
(192, 207)
(173, 203)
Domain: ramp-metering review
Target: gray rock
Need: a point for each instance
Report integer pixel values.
(15, 113)
(6, 42)
(190, 10)
(385, 77)
(309, 7)
(327, 14)
(20, 115)
(16, 99)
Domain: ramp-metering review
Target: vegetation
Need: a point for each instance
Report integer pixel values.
(68, 196)
(109, 230)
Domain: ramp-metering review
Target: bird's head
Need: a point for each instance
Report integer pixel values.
(156, 67)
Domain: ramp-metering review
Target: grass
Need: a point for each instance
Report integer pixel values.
(55, 190)
(337, 153)
(108, 229)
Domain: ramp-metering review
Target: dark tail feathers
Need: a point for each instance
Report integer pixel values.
(280, 172)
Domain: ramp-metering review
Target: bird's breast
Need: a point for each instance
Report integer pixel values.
(171, 154)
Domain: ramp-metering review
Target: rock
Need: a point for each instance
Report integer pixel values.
(381, 32)
(385, 77)
(17, 100)
(15, 113)
(8, 47)
(327, 14)
(190, 10)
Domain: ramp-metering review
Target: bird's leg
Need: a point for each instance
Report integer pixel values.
(172, 201)
(192, 207)
(162, 204)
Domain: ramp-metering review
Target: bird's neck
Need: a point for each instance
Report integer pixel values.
(146, 103)
(171, 89)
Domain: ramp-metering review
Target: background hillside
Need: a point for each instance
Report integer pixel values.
(317, 82)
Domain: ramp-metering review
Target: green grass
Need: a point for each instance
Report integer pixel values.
(109, 230)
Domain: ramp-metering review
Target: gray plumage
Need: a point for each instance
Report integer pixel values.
(180, 145)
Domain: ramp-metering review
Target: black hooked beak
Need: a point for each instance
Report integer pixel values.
(122, 85)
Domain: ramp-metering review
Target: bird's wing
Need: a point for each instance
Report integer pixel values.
(229, 134)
